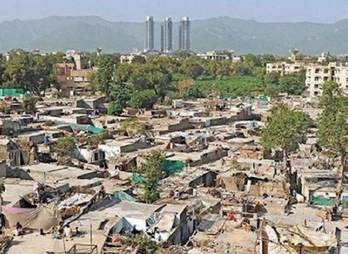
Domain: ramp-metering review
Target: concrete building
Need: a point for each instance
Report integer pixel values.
(317, 75)
(185, 34)
(72, 80)
(213, 55)
(150, 34)
(167, 36)
(284, 68)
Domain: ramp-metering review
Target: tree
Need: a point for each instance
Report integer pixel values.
(115, 108)
(333, 128)
(29, 104)
(213, 68)
(293, 84)
(119, 97)
(102, 80)
(271, 90)
(184, 84)
(132, 126)
(43, 76)
(242, 69)
(192, 92)
(253, 60)
(284, 127)
(65, 146)
(272, 78)
(18, 70)
(144, 243)
(192, 68)
(143, 99)
(139, 59)
(151, 169)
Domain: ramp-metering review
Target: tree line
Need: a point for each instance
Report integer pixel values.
(153, 79)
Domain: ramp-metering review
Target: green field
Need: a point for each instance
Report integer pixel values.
(233, 86)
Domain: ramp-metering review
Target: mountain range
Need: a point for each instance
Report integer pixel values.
(86, 33)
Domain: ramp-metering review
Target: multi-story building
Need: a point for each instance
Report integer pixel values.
(167, 36)
(317, 75)
(150, 34)
(184, 34)
(213, 55)
(72, 81)
(284, 68)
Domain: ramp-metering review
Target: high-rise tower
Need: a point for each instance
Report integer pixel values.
(184, 34)
(149, 37)
(167, 35)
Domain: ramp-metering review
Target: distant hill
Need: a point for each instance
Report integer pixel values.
(243, 36)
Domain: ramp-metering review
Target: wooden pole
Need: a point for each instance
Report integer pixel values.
(64, 245)
(91, 237)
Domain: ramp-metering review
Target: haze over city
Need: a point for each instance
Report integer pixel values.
(326, 11)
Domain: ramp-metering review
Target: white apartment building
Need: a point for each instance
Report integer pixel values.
(284, 68)
(213, 55)
(317, 75)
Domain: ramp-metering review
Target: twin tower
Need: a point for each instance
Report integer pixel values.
(167, 35)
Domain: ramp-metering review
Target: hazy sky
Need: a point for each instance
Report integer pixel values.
(135, 10)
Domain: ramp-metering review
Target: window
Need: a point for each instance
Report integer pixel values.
(316, 79)
(317, 70)
(326, 78)
(78, 79)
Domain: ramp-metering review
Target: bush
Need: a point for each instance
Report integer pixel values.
(115, 108)
(143, 99)
(65, 146)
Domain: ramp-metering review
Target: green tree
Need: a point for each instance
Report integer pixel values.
(271, 90)
(65, 147)
(253, 60)
(192, 68)
(184, 84)
(132, 126)
(139, 60)
(192, 92)
(29, 104)
(151, 169)
(333, 128)
(213, 68)
(144, 243)
(242, 69)
(294, 84)
(267, 58)
(18, 71)
(272, 78)
(102, 80)
(284, 127)
(115, 108)
(143, 99)
(43, 75)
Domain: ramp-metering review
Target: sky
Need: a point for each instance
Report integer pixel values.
(324, 11)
